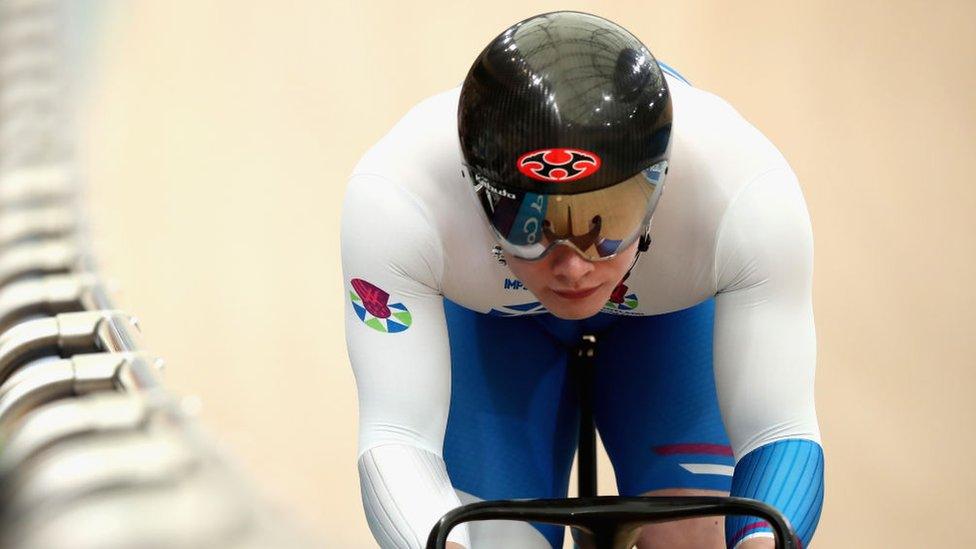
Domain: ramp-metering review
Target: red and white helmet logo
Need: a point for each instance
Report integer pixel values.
(558, 165)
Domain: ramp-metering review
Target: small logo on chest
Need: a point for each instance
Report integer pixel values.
(621, 300)
(514, 284)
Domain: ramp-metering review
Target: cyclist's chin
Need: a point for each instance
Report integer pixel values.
(574, 309)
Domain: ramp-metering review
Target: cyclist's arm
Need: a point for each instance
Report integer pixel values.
(765, 353)
(403, 375)
(757, 543)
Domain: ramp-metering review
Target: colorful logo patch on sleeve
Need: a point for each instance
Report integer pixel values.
(373, 308)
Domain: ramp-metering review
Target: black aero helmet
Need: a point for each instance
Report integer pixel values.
(564, 123)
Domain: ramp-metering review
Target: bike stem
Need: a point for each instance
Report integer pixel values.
(582, 363)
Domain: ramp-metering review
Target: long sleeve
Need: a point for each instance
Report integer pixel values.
(396, 334)
(765, 352)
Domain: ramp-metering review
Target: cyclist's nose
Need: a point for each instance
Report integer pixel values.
(569, 264)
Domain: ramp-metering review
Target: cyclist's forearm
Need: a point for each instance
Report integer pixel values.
(787, 474)
(406, 490)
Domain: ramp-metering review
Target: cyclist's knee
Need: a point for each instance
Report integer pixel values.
(697, 533)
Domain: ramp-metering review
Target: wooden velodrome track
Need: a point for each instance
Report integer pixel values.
(220, 134)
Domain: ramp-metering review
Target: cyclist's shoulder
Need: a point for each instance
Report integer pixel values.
(424, 138)
(716, 151)
(417, 160)
(705, 115)
(694, 104)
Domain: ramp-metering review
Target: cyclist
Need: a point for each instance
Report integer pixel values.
(562, 137)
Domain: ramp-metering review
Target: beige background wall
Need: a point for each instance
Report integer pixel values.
(219, 135)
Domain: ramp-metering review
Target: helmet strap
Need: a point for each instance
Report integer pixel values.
(642, 246)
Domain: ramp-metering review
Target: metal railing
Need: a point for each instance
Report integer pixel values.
(94, 452)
